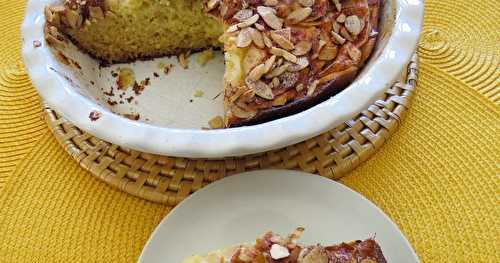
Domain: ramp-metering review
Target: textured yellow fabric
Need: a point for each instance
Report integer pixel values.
(437, 177)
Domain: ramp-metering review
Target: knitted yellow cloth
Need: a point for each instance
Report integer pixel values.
(437, 177)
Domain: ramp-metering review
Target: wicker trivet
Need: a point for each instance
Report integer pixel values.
(170, 179)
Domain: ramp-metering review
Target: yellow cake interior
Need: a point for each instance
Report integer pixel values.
(146, 28)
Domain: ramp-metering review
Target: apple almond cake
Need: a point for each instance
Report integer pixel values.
(281, 56)
(272, 248)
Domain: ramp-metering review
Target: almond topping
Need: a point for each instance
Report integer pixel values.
(257, 38)
(338, 38)
(269, 63)
(312, 87)
(257, 72)
(301, 64)
(282, 41)
(345, 34)
(337, 4)
(262, 90)
(306, 3)
(302, 48)
(299, 15)
(341, 18)
(277, 71)
(248, 22)
(353, 25)
(268, 14)
(244, 38)
(243, 14)
(283, 53)
(212, 4)
(328, 53)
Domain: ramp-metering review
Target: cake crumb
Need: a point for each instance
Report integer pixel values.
(216, 122)
(132, 116)
(94, 115)
(205, 56)
(155, 74)
(183, 60)
(199, 93)
(126, 77)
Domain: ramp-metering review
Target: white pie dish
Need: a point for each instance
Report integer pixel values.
(173, 125)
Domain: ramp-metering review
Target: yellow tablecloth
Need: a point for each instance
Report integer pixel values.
(437, 178)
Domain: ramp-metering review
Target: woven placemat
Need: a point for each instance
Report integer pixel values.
(169, 180)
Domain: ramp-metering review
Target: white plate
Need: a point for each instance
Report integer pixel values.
(170, 124)
(239, 208)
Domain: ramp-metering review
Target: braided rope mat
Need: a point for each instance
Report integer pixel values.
(170, 179)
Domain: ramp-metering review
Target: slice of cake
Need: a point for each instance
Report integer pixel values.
(271, 248)
(282, 56)
(124, 30)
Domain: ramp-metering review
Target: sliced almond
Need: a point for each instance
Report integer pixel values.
(299, 87)
(302, 48)
(338, 38)
(341, 18)
(282, 41)
(302, 63)
(269, 63)
(345, 34)
(277, 71)
(283, 53)
(306, 3)
(262, 90)
(275, 82)
(268, 14)
(260, 27)
(244, 38)
(241, 113)
(257, 38)
(312, 87)
(354, 53)
(254, 57)
(249, 22)
(243, 15)
(353, 25)
(267, 41)
(271, 2)
(280, 100)
(336, 27)
(328, 53)
(212, 4)
(299, 15)
(257, 72)
(337, 4)
(232, 28)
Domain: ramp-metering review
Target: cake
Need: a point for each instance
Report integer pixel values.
(282, 56)
(272, 248)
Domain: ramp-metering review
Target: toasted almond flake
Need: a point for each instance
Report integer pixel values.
(271, 2)
(232, 28)
(269, 63)
(262, 90)
(277, 71)
(254, 57)
(268, 14)
(267, 41)
(298, 15)
(237, 94)
(299, 87)
(244, 38)
(306, 3)
(243, 15)
(312, 87)
(283, 53)
(257, 72)
(280, 100)
(338, 38)
(241, 113)
(260, 27)
(282, 41)
(337, 4)
(354, 53)
(335, 27)
(328, 53)
(257, 38)
(276, 82)
(353, 25)
(341, 18)
(212, 4)
(345, 34)
(302, 48)
(302, 63)
(249, 22)
(216, 122)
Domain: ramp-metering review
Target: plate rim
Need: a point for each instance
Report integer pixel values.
(197, 143)
(274, 172)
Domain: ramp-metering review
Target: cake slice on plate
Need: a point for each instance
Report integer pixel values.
(271, 248)
(282, 56)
